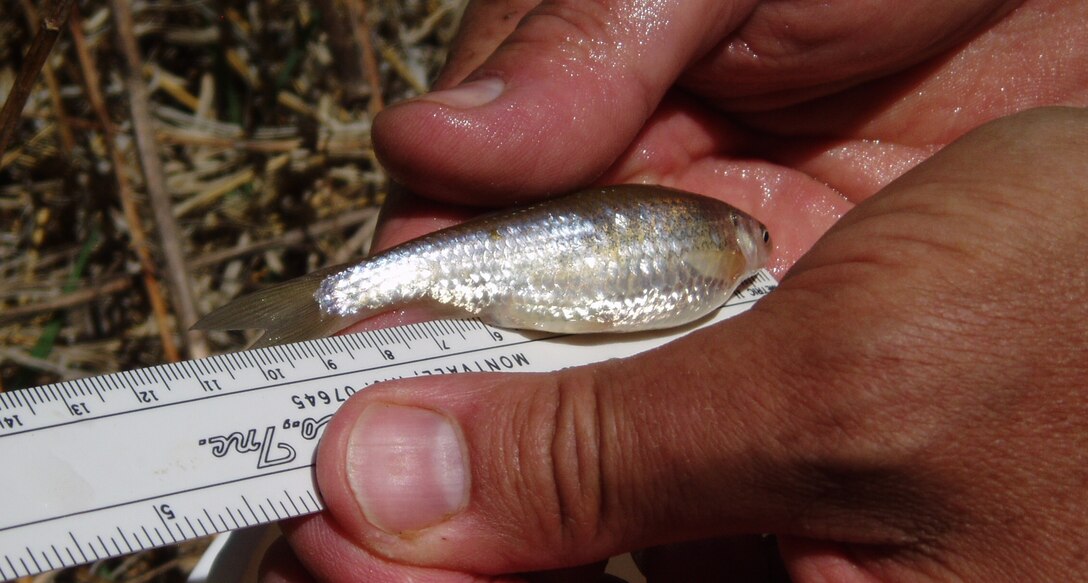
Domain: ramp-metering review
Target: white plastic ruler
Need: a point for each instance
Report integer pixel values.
(109, 465)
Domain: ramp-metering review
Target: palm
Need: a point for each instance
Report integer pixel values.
(692, 147)
(786, 147)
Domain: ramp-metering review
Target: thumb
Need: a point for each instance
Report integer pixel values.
(578, 73)
(511, 473)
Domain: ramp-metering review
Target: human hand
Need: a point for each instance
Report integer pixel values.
(852, 141)
(908, 405)
(791, 111)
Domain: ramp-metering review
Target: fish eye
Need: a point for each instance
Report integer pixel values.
(766, 236)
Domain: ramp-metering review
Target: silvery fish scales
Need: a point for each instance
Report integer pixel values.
(610, 259)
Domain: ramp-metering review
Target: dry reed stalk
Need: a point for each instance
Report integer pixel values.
(67, 140)
(68, 300)
(170, 237)
(35, 57)
(361, 32)
(124, 191)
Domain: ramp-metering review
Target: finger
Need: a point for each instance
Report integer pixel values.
(483, 27)
(790, 52)
(325, 554)
(331, 556)
(280, 565)
(748, 559)
(406, 216)
(554, 105)
(498, 474)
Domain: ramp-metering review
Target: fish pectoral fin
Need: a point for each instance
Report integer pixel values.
(715, 263)
(287, 312)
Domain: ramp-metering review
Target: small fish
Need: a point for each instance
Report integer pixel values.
(609, 259)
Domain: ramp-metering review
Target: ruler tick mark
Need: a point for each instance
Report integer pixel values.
(31, 555)
(78, 548)
(124, 539)
(27, 402)
(288, 496)
(250, 509)
(214, 527)
(233, 519)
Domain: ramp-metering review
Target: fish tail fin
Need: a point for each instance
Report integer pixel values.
(287, 312)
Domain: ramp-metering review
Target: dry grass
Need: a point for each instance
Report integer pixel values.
(172, 156)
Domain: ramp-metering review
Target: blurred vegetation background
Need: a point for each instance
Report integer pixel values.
(170, 155)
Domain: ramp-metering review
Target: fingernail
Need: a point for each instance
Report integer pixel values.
(466, 95)
(406, 467)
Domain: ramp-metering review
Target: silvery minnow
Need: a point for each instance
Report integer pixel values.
(609, 259)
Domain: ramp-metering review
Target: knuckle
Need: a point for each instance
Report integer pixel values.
(561, 462)
(578, 24)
